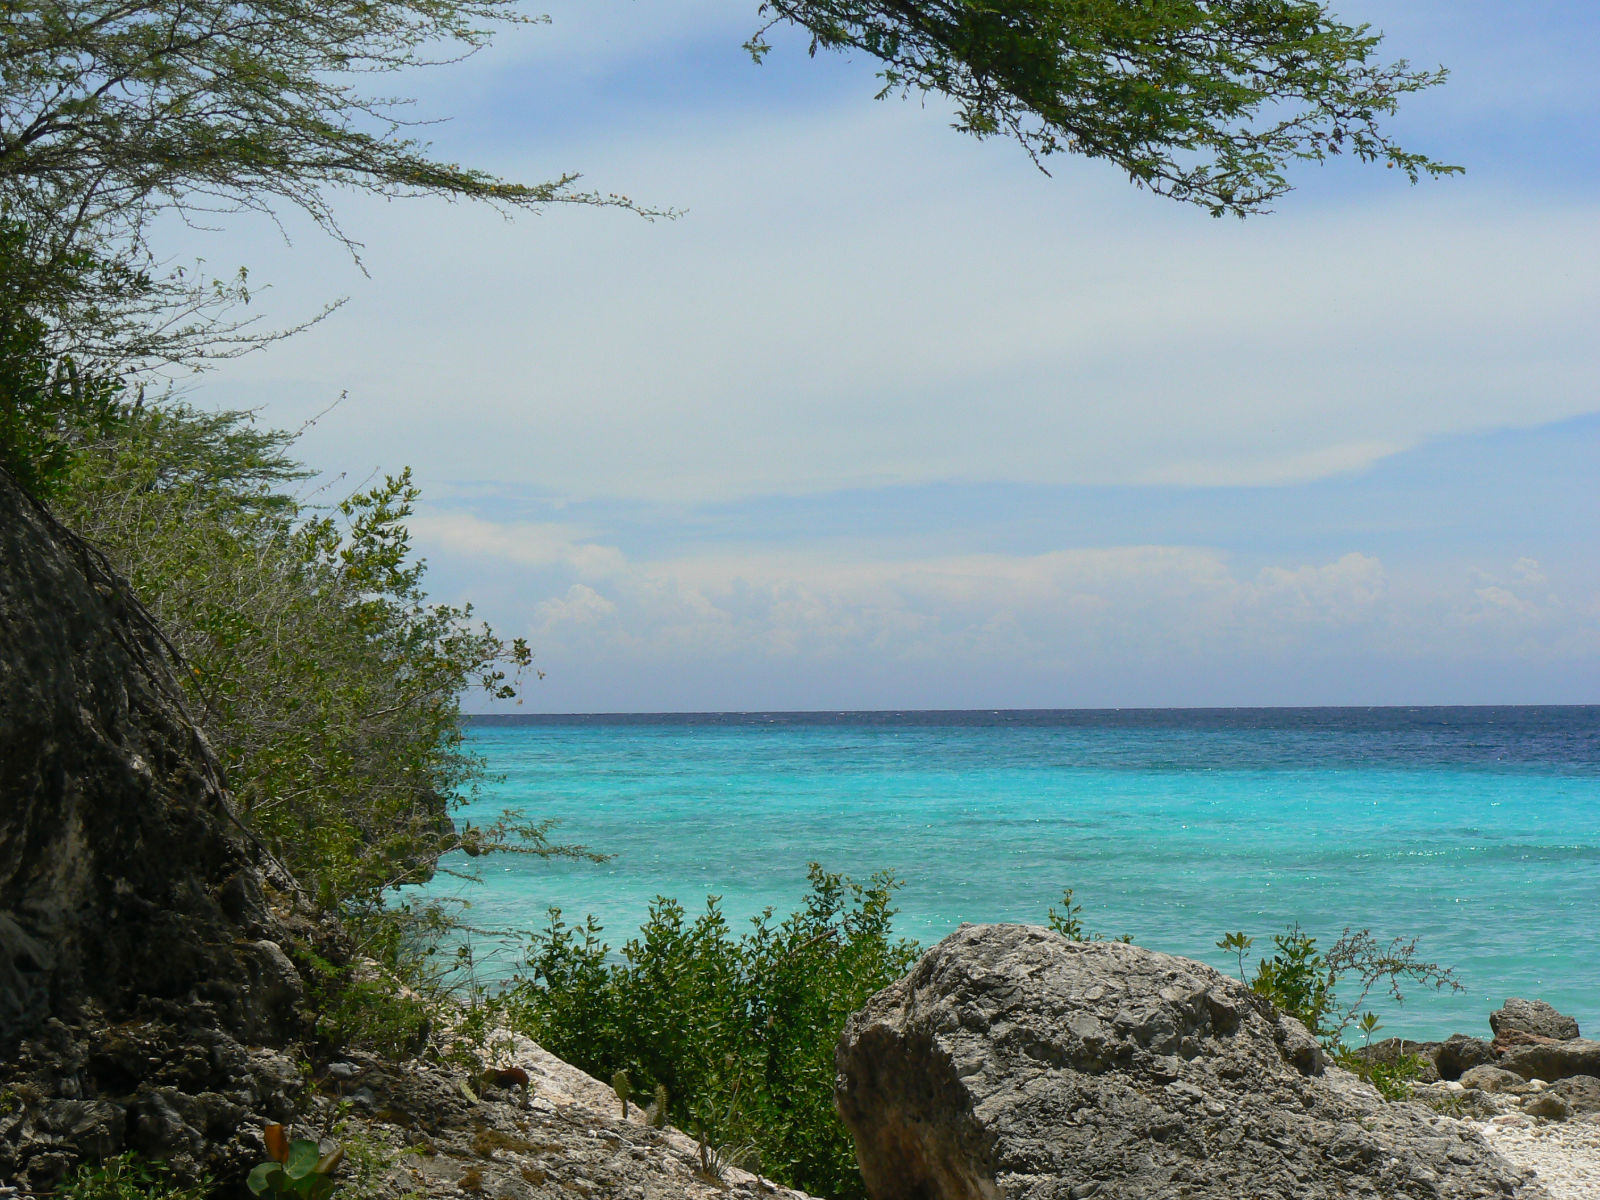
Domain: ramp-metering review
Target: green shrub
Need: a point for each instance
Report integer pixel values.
(129, 1177)
(329, 683)
(1302, 980)
(737, 1031)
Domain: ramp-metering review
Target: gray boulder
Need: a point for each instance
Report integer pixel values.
(1013, 1064)
(1493, 1079)
(1459, 1053)
(1554, 1060)
(1581, 1092)
(1532, 1016)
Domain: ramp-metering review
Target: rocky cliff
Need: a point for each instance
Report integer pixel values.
(143, 980)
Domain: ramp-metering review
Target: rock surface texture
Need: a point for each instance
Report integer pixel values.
(432, 1138)
(1013, 1064)
(140, 958)
(1532, 1016)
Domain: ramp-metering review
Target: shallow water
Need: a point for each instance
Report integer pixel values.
(1476, 830)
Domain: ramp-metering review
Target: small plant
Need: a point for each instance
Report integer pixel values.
(657, 1113)
(129, 1177)
(1237, 944)
(1068, 923)
(1296, 980)
(1395, 1078)
(297, 1170)
(624, 1090)
(1301, 980)
(1368, 1025)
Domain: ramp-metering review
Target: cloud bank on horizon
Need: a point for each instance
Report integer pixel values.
(887, 419)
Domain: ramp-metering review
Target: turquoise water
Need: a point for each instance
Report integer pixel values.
(1478, 831)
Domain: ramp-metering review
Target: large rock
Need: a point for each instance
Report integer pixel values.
(1459, 1053)
(1013, 1064)
(1532, 1016)
(1554, 1060)
(1581, 1092)
(140, 955)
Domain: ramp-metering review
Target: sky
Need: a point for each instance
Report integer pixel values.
(887, 418)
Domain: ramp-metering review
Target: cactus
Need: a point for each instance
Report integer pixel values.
(658, 1110)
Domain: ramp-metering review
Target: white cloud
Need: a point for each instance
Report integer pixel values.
(528, 544)
(857, 297)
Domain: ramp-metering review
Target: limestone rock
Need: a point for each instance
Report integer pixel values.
(1493, 1079)
(139, 953)
(1554, 1060)
(1013, 1064)
(1459, 1053)
(1546, 1104)
(1581, 1092)
(1532, 1016)
(564, 1139)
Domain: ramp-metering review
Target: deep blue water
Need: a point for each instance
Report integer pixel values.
(1476, 830)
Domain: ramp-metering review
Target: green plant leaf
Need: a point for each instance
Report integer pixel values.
(267, 1177)
(303, 1156)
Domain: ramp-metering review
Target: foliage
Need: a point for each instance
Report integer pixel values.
(297, 1170)
(128, 1177)
(737, 1031)
(1395, 1078)
(48, 402)
(328, 682)
(1068, 922)
(1207, 101)
(112, 112)
(1301, 980)
(357, 1005)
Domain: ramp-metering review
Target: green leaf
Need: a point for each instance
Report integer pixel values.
(303, 1156)
(267, 1177)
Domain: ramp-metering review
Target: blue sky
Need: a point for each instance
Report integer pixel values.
(887, 418)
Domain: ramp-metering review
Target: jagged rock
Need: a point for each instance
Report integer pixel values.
(1013, 1064)
(1554, 1060)
(561, 1139)
(1546, 1104)
(1532, 1016)
(1581, 1092)
(1493, 1079)
(140, 952)
(1459, 1053)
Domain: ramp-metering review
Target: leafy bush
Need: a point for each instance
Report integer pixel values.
(129, 1177)
(738, 1031)
(329, 684)
(1302, 980)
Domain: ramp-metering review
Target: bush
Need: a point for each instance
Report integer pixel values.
(739, 1031)
(329, 685)
(129, 1177)
(327, 682)
(1302, 981)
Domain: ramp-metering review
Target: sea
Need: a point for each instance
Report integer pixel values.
(1475, 831)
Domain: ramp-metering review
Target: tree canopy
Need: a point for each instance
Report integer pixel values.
(112, 111)
(1206, 101)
